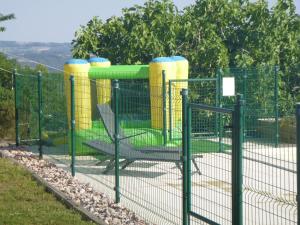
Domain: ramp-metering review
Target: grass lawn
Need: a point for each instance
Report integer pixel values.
(23, 201)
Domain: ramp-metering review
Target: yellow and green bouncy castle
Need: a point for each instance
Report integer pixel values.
(182, 73)
(175, 67)
(79, 68)
(103, 86)
(156, 68)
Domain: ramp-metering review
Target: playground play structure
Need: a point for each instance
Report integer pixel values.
(123, 127)
(159, 72)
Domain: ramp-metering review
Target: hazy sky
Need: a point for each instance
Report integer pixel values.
(57, 20)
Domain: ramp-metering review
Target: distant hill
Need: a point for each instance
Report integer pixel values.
(51, 54)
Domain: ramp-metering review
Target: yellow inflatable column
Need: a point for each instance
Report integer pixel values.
(182, 72)
(79, 68)
(156, 67)
(103, 86)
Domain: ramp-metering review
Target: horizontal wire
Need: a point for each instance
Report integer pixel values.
(5, 70)
(33, 61)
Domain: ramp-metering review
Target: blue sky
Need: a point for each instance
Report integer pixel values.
(57, 20)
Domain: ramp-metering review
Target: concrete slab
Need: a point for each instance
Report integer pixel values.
(154, 189)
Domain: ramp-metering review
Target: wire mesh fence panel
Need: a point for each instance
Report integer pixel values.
(94, 135)
(260, 90)
(150, 178)
(270, 180)
(55, 125)
(27, 105)
(201, 90)
(269, 171)
(211, 191)
(269, 148)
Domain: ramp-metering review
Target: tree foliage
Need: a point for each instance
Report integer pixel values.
(140, 34)
(6, 65)
(7, 112)
(209, 33)
(5, 18)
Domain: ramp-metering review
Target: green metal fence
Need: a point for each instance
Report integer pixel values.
(26, 101)
(194, 172)
(260, 88)
(227, 169)
(202, 90)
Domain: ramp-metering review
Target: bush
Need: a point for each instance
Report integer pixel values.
(7, 113)
(288, 130)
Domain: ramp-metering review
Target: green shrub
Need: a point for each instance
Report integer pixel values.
(7, 113)
(288, 130)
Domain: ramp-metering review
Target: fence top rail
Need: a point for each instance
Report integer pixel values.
(193, 80)
(2, 69)
(210, 108)
(27, 75)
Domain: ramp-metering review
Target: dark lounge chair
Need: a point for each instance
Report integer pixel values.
(127, 151)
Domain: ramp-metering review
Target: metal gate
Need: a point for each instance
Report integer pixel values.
(215, 197)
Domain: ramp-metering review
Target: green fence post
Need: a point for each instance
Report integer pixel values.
(217, 102)
(237, 163)
(244, 83)
(276, 106)
(164, 93)
(170, 110)
(16, 108)
(244, 96)
(220, 120)
(117, 139)
(185, 216)
(40, 114)
(298, 160)
(73, 147)
(189, 168)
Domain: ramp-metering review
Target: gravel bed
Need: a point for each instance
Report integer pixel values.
(81, 194)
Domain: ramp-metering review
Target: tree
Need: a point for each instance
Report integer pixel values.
(6, 97)
(140, 34)
(5, 18)
(6, 65)
(209, 33)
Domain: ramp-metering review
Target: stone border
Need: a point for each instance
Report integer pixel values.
(58, 194)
